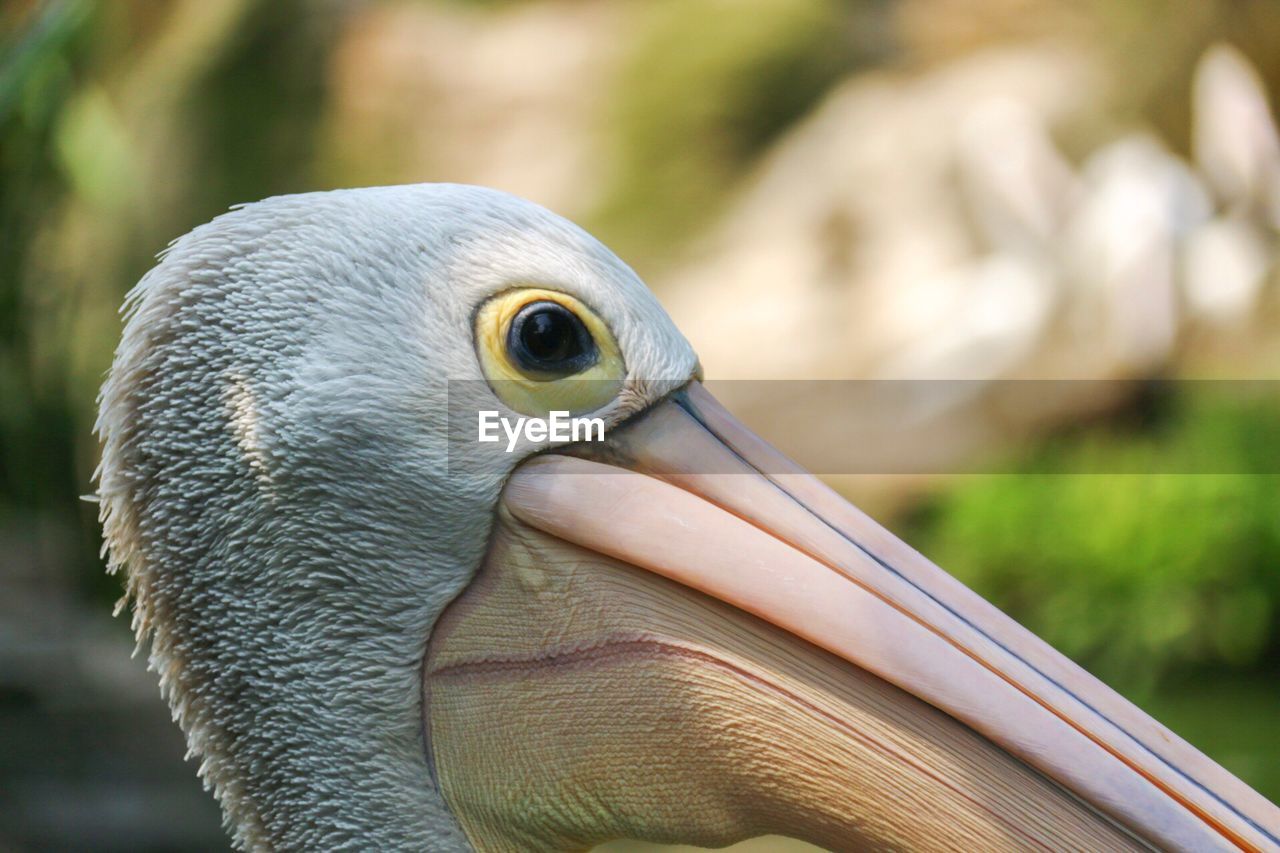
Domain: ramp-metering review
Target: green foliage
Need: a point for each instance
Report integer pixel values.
(38, 67)
(706, 86)
(1230, 718)
(121, 127)
(1138, 553)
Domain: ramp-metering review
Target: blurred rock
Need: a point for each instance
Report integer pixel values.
(1238, 153)
(951, 238)
(1234, 135)
(846, 275)
(476, 95)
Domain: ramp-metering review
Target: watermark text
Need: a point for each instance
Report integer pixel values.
(559, 426)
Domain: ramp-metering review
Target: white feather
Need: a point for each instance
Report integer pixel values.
(277, 483)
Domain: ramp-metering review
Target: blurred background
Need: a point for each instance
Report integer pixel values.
(943, 189)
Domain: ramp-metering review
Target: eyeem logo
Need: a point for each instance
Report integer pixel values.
(558, 427)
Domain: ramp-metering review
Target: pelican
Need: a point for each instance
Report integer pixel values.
(379, 632)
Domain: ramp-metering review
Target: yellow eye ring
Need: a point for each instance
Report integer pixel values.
(543, 351)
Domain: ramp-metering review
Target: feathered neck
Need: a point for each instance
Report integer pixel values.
(267, 487)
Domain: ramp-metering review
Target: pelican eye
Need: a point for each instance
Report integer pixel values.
(547, 338)
(542, 350)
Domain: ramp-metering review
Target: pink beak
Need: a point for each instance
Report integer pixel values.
(688, 493)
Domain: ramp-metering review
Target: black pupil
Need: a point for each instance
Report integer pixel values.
(548, 337)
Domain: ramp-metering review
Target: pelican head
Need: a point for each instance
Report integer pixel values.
(379, 632)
